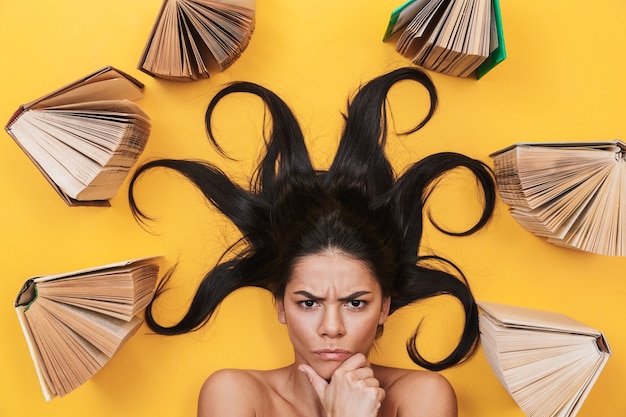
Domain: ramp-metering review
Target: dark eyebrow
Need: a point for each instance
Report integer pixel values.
(355, 295)
(352, 296)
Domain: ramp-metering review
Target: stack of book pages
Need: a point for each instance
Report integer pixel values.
(189, 37)
(548, 362)
(460, 38)
(75, 322)
(572, 193)
(86, 136)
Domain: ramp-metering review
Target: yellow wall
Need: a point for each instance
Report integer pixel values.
(563, 80)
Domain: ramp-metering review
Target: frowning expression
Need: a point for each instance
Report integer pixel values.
(332, 307)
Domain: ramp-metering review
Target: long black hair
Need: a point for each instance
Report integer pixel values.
(358, 206)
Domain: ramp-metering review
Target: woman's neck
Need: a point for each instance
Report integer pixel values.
(293, 387)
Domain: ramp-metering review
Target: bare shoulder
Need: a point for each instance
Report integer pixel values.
(416, 393)
(220, 394)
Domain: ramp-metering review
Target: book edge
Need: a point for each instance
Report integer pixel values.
(576, 326)
(135, 261)
(499, 54)
(82, 80)
(47, 393)
(616, 142)
(144, 52)
(393, 19)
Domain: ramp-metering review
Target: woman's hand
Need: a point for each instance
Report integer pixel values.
(352, 391)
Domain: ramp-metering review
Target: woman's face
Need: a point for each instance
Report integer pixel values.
(332, 307)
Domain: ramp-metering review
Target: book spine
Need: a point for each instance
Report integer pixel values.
(13, 118)
(603, 344)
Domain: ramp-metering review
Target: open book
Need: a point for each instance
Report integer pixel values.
(461, 38)
(547, 361)
(572, 193)
(86, 136)
(75, 322)
(190, 37)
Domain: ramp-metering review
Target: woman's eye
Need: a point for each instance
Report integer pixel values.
(307, 303)
(356, 303)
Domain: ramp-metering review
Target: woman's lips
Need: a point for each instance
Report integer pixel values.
(333, 354)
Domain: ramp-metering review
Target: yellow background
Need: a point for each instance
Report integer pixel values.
(563, 80)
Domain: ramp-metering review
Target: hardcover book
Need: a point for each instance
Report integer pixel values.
(75, 322)
(572, 193)
(547, 361)
(461, 38)
(86, 136)
(192, 37)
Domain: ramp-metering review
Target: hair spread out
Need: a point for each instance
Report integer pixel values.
(358, 206)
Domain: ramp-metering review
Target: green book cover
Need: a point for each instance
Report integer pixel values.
(402, 15)
(498, 54)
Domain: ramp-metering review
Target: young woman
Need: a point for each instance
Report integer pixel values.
(340, 251)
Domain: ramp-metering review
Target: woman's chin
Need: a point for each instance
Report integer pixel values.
(326, 370)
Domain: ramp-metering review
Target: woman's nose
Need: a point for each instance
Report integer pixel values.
(332, 323)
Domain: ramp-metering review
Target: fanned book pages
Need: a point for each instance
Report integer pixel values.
(85, 137)
(548, 362)
(75, 322)
(572, 193)
(461, 38)
(192, 37)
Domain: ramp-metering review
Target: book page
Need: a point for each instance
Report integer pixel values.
(47, 340)
(514, 316)
(122, 282)
(104, 332)
(56, 171)
(402, 16)
(108, 89)
(103, 269)
(543, 342)
(224, 28)
(121, 106)
(99, 137)
(612, 146)
(413, 38)
(36, 355)
(120, 291)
